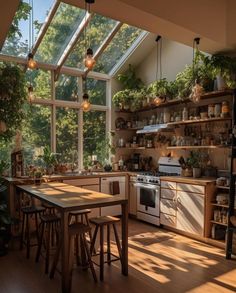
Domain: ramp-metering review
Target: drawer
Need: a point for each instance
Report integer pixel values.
(83, 181)
(168, 220)
(168, 207)
(191, 188)
(168, 184)
(168, 193)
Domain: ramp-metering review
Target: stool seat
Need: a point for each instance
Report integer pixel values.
(32, 209)
(49, 218)
(80, 212)
(78, 228)
(105, 220)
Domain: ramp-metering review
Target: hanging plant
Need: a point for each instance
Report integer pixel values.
(12, 98)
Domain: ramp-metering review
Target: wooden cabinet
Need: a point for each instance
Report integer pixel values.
(190, 212)
(132, 199)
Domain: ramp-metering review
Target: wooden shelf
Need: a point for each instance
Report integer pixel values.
(199, 121)
(127, 129)
(177, 101)
(223, 187)
(189, 147)
(220, 205)
(219, 223)
(136, 148)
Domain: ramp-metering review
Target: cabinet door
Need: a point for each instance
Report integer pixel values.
(190, 212)
(132, 199)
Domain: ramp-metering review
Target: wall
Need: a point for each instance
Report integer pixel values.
(174, 58)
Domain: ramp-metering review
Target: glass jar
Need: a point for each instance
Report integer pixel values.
(225, 109)
(185, 114)
(211, 110)
(217, 110)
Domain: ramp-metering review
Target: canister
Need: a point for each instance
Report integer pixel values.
(217, 110)
(225, 109)
(211, 110)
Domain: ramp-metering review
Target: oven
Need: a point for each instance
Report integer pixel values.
(148, 202)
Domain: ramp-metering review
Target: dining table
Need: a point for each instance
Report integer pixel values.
(67, 198)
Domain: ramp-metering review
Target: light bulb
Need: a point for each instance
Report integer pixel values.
(89, 61)
(85, 105)
(197, 92)
(32, 64)
(159, 100)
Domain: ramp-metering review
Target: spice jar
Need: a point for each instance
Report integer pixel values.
(211, 110)
(217, 110)
(225, 109)
(185, 114)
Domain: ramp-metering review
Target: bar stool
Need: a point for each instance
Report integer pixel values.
(25, 230)
(49, 225)
(100, 223)
(75, 230)
(49, 209)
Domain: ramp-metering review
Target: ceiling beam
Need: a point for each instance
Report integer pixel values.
(105, 44)
(70, 46)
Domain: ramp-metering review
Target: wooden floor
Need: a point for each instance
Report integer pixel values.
(159, 261)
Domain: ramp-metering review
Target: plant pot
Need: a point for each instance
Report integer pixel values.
(196, 172)
(49, 170)
(107, 168)
(220, 83)
(126, 107)
(37, 181)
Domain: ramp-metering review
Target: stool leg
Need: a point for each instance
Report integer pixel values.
(101, 253)
(27, 237)
(40, 241)
(36, 226)
(55, 260)
(89, 258)
(48, 231)
(71, 257)
(83, 253)
(22, 232)
(77, 250)
(108, 245)
(92, 247)
(90, 231)
(117, 241)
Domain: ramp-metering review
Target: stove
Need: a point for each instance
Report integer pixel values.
(148, 189)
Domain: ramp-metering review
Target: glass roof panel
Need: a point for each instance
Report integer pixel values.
(62, 28)
(16, 43)
(117, 48)
(96, 32)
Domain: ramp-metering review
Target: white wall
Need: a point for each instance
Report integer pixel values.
(174, 58)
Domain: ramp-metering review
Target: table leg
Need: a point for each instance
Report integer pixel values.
(65, 275)
(124, 253)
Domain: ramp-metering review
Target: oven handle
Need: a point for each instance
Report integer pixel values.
(156, 187)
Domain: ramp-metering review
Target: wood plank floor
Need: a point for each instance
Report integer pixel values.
(159, 261)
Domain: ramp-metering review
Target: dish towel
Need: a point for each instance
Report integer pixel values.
(114, 187)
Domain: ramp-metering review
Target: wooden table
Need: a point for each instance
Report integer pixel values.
(67, 198)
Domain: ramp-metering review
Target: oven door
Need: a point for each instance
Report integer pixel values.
(148, 199)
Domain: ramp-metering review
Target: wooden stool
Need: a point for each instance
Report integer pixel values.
(25, 230)
(100, 222)
(48, 225)
(76, 229)
(49, 209)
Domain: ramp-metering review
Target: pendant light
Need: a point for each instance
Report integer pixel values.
(89, 61)
(31, 63)
(159, 99)
(197, 89)
(85, 105)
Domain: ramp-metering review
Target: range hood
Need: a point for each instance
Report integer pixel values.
(155, 128)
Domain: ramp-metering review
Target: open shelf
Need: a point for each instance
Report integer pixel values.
(220, 205)
(219, 223)
(199, 121)
(127, 129)
(177, 101)
(136, 148)
(223, 187)
(189, 147)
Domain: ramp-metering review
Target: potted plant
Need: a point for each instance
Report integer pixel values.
(121, 99)
(194, 162)
(129, 80)
(38, 173)
(158, 88)
(50, 160)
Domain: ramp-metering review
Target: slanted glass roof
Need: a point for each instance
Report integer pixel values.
(62, 28)
(16, 43)
(97, 31)
(58, 44)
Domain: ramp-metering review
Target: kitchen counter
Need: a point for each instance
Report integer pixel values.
(190, 180)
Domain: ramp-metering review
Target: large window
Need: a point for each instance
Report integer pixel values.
(41, 82)
(66, 134)
(94, 137)
(67, 88)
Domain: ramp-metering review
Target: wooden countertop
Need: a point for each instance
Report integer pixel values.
(189, 180)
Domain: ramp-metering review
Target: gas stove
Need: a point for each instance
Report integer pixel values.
(148, 179)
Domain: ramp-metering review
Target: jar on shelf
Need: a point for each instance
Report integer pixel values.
(225, 109)
(185, 114)
(166, 117)
(211, 110)
(217, 110)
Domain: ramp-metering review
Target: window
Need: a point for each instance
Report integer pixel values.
(94, 137)
(66, 134)
(67, 88)
(36, 131)
(97, 91)
(41, 81)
